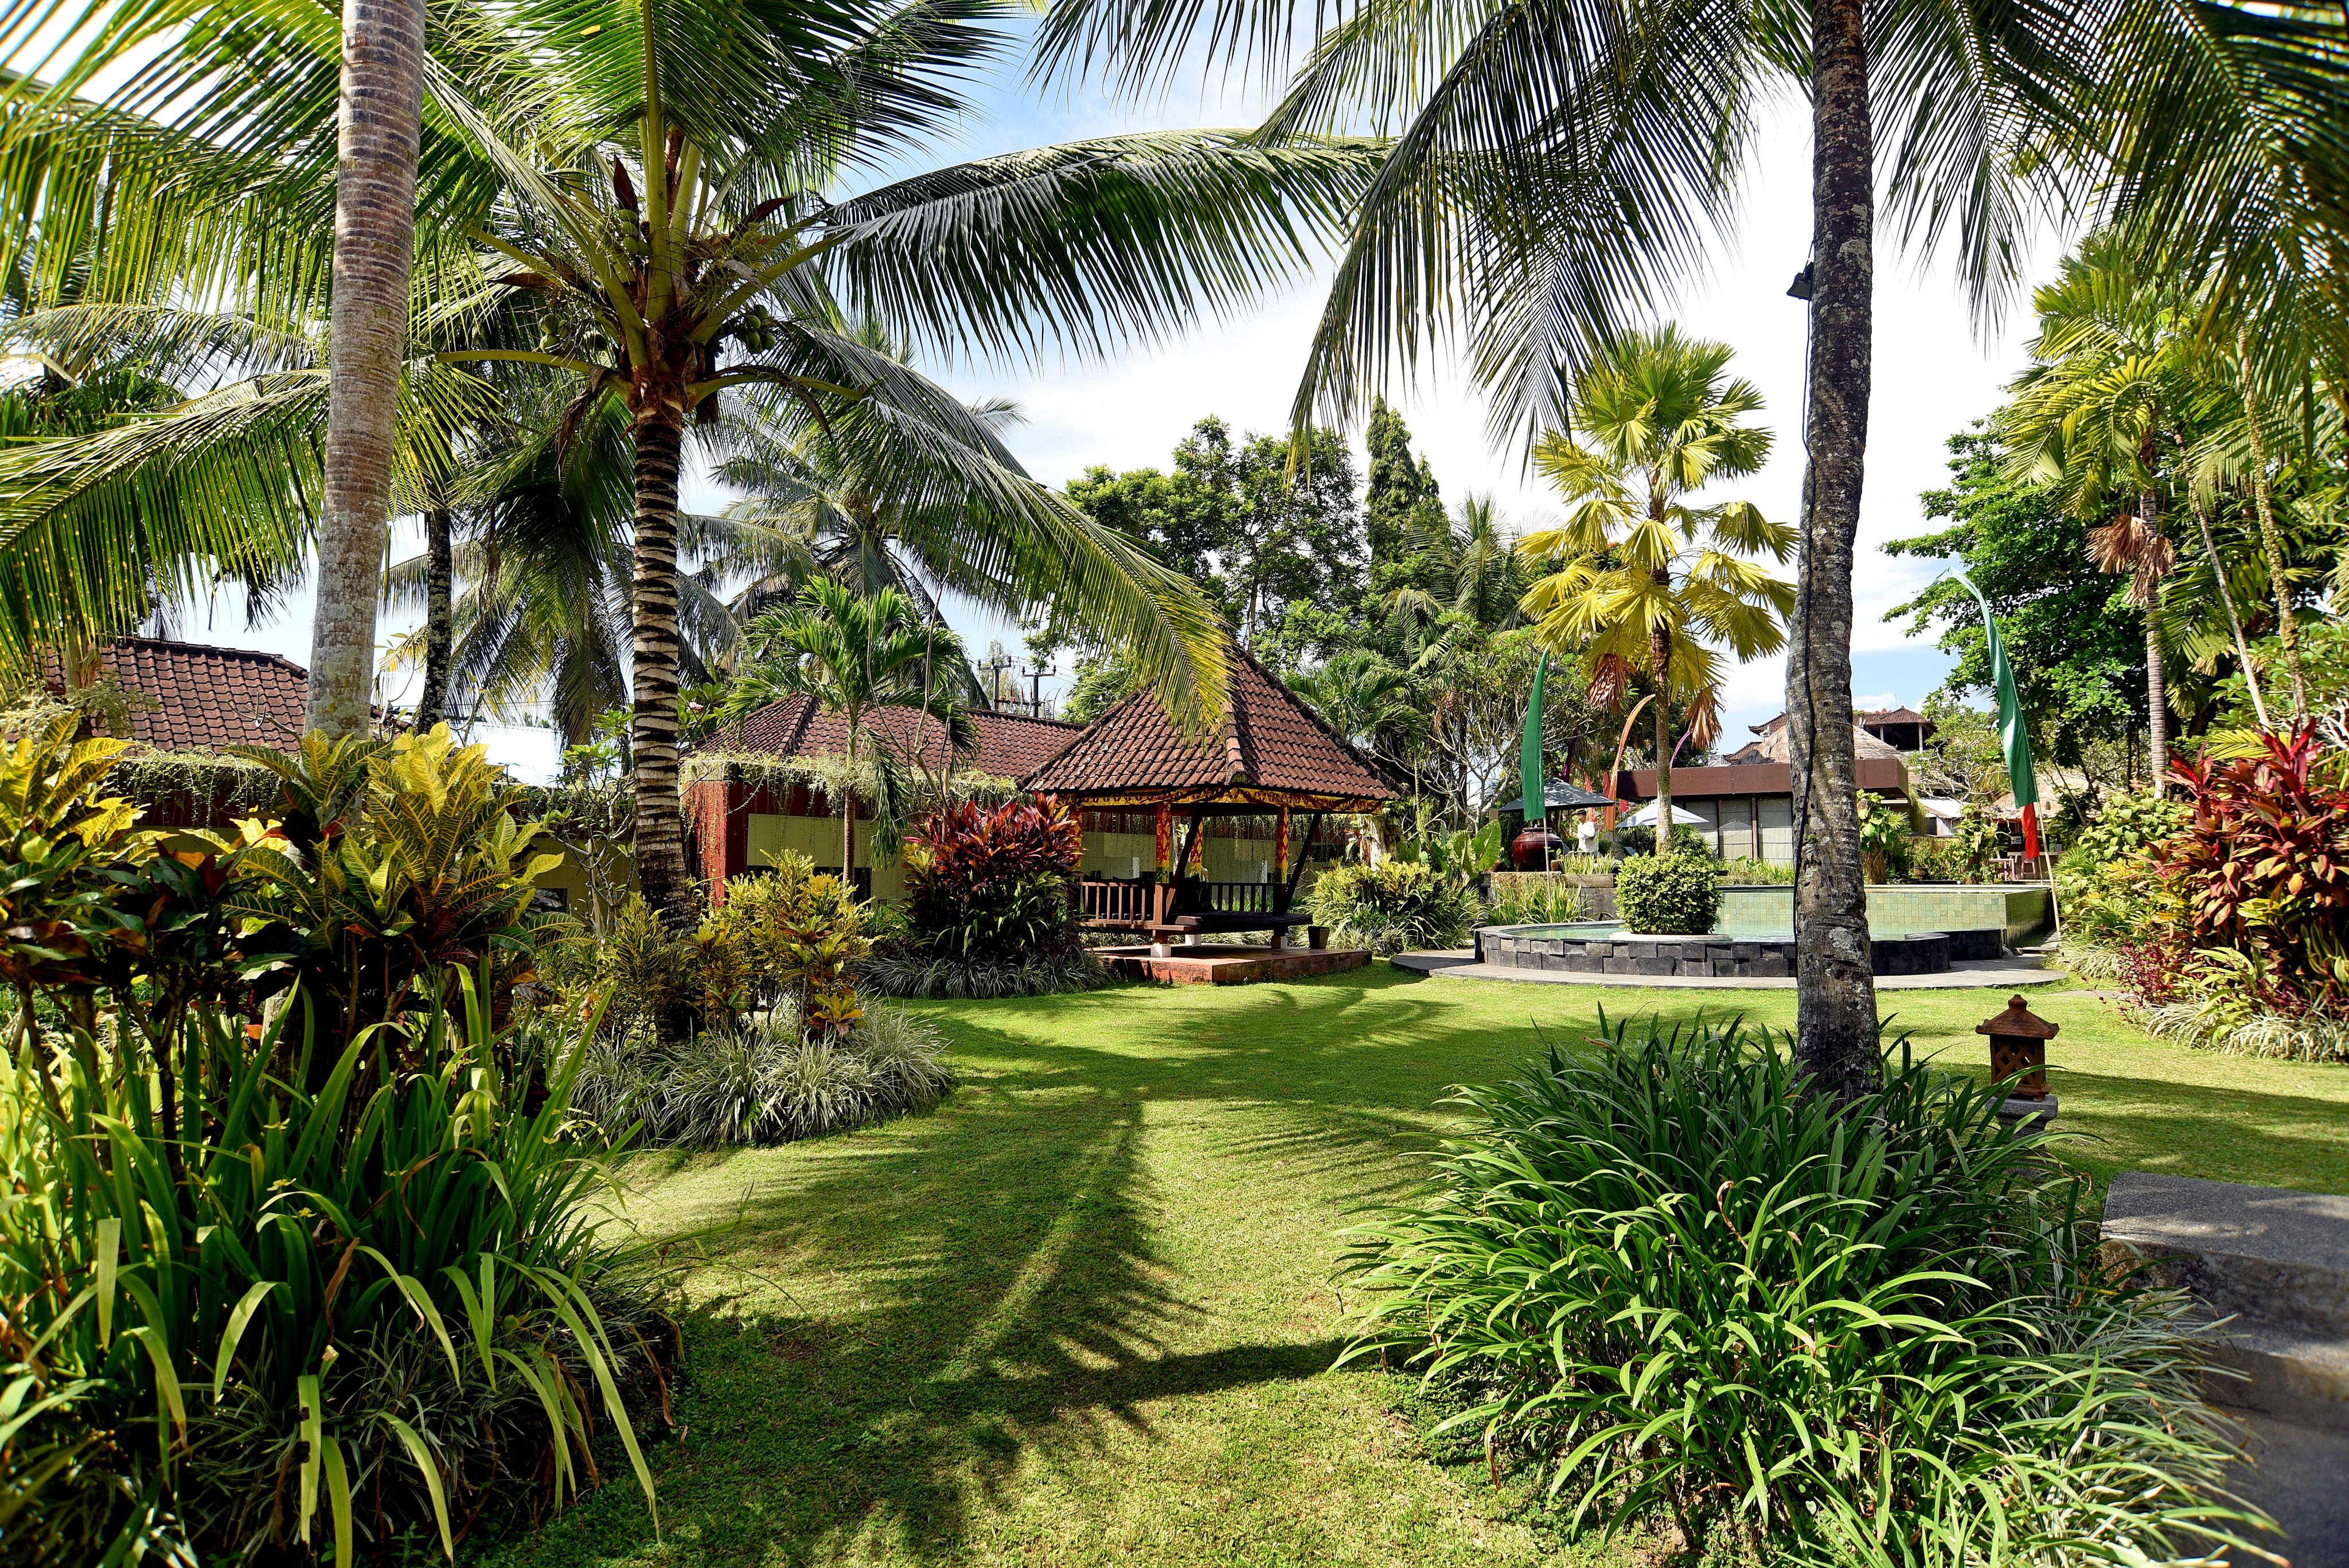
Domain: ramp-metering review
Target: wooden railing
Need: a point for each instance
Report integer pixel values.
(1234, 898)
(1135, 904)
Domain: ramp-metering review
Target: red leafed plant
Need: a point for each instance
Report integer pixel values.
(2263, 866)
(993, 881)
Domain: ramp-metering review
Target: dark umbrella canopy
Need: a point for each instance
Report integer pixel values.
(1560, 795)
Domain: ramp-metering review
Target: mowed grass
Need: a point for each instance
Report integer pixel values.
(1084, 1312)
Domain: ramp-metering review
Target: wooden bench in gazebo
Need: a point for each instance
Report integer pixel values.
(1271, 755)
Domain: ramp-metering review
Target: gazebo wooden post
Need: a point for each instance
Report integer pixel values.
(1280, 876)
(1161, 894)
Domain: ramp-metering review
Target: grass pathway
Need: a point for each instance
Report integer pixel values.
(1082, 1314)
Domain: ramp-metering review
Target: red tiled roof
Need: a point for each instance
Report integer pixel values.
(1010, 744)
(1269, 741)
(210, 697)
(1777, 745)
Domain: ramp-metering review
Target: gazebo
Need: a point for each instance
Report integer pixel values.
(1271, 755)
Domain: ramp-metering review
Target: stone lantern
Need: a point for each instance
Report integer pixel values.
(2018, 1045)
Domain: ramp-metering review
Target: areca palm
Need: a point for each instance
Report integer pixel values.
(1638, 577)
(654, 178)
(1560, 165)
(852, 653)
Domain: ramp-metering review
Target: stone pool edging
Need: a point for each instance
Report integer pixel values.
(1712, 956)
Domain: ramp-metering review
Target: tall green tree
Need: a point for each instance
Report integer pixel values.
(852, 653)
(1558, 164)
(657, 182)
(1641, 577)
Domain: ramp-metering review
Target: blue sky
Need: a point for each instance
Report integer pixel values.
(1934, 373)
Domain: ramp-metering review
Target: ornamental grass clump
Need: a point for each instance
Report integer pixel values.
(763, 1080)
(1682, 1289)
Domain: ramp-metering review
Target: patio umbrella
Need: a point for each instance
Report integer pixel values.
(1646, 818)
(1560, 795)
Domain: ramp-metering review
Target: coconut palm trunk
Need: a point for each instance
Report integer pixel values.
(661, 872)
(439, 615)
(1662, 652)
(2156, 679)
(1835, 987)
(379, 116)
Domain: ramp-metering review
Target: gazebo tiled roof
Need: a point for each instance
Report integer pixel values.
(1009, 745)
(1270, 750)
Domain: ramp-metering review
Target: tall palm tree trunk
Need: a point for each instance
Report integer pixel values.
(379, 114)
(439, 586)
(661, 872)
(2227, 597)
(1660, 650)
(2157, 678)
(1835, 987)
(2271, 537)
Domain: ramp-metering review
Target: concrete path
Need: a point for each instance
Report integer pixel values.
(1985, 974)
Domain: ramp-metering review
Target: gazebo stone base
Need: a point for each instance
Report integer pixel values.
(1211, 965)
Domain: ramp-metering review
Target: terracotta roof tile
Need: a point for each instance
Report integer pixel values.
(1010, 744)
(210, 697)
(1268, 740)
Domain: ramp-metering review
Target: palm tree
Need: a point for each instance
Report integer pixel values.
(852, 653)
(653, 180)
(1639, 577)
(1360, 695)
(2105, 406)
(379, 116)
(1561, 163)
(1470, 569)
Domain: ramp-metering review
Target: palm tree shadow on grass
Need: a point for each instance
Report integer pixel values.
(910, 1321)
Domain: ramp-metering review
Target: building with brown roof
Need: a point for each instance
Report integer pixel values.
(193, 701)
(1747, 799)
(765, 786)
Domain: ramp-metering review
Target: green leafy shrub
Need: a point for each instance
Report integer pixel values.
(1676, 1285)
(393, 1289)
(236, 1270)
(1746, 868)
(1396, 906)
(1672, 895)
(1885, 845)
(763, 1080)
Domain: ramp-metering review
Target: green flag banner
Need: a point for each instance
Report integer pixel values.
(2013, 738)
(1529, 751)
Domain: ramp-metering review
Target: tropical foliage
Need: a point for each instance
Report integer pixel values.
(1396, 906)
(1679, 1289)
(246, 1242)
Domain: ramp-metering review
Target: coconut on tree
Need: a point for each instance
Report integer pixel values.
(1642, 579)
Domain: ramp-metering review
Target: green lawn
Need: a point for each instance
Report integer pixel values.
(1082, 1314)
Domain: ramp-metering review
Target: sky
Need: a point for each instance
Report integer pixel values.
(1934, 373)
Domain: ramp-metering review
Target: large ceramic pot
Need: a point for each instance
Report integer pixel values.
(1536, 849)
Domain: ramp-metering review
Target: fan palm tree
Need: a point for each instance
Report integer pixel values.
(653, 180)
(1638, 577)
(852, 653)
(1561, 163)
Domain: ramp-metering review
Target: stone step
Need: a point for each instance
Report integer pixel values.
(2281, 1371)
(2263, 1254)
(2296, 1476)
